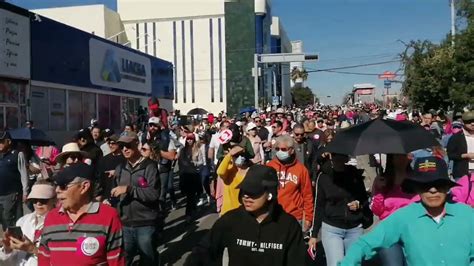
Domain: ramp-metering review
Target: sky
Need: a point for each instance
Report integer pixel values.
(343, 33)
(353, 32)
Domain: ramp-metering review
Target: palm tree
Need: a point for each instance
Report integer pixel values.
(298, 76)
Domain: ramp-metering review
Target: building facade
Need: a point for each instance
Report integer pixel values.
(211, 45)
(62, 77)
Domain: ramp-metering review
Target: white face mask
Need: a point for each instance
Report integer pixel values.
(239, 161)
(282, 155)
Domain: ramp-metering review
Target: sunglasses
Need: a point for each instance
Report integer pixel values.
(126, 145)
(299, 134)
(112, 142)
(152, 125)
(41, 201)
(257, 121)
(145, 149)
(250, 194)
(441, 186)
(469, 121)
(281, 149)
(65, 187)
(74, 156)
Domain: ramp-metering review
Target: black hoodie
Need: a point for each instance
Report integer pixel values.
(335, 191)
(276, 241)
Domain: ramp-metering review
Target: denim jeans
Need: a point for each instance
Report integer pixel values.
(336, 241)
(141, 240)
(166, 180)
(11, 209)
(392, 256)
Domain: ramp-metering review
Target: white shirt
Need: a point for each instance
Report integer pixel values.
(215, 144)
(470, 147)
(21, 258)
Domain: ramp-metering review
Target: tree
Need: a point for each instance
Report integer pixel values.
(298, 75)
(442, 75)
(303, 96)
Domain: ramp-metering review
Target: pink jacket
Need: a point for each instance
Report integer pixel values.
(461, 193)
(384, 204)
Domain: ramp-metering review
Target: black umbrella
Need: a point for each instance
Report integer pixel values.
(36, 137)
(382, 136)
(197, 111)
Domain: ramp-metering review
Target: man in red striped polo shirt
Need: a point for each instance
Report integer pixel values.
(81, 231)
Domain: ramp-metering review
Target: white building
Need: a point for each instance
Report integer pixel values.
(210, 44)
(96, 19)
(191, 35)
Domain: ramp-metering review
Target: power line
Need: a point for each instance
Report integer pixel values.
(357, 73)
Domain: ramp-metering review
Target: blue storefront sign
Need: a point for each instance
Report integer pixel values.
(64, 55)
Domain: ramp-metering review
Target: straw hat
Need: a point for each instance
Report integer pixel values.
(68, 149)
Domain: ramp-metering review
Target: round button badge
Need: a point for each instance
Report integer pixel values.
(225, 136)
(90, 246)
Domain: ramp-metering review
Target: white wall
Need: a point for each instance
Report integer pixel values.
(98, 19)
(139, 10)
(167, 15)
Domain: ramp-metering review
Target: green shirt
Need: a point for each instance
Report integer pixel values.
(425, 242)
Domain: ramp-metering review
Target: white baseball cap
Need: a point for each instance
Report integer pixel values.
(154, 120)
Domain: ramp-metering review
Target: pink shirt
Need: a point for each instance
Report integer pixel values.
(461, 193)
(384, 204)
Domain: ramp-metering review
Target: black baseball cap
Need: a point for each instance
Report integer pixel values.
(258, 180)
(428, 171)
(68, 174)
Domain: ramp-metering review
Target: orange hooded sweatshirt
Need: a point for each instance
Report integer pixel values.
(295, 193)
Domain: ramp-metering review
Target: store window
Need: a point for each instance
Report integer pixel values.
(39, 107)
(104, 110)
(12, 103)
(89, 108)
(115, 111)
(57, 109)
(12, 116)
(75, 110)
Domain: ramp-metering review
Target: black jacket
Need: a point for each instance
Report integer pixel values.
(457, 145)
(277, 240)
(335, 191)
(139, 207)
(94, 152)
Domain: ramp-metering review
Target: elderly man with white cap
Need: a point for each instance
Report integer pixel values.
(22, 249)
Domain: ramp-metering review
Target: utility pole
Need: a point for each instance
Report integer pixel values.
(453, 21)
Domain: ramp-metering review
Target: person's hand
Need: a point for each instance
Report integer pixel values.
(118, 191)
(236, 150)
(326, 155)
(306, 226)
(22, 244)
(106, 202)
(312, 243)
(6, 243)
(110, 173)
(353, 205)
(469, 155)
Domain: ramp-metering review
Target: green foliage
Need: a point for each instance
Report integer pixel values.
(302, 96)
(440, 75)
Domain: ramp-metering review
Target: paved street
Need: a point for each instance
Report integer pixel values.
(179, 238)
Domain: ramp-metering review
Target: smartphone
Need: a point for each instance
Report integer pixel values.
(15, 231)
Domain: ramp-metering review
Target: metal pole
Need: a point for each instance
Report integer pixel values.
(453, 21)
(255, 79)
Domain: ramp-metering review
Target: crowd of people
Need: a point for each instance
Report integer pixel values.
(270, 176)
